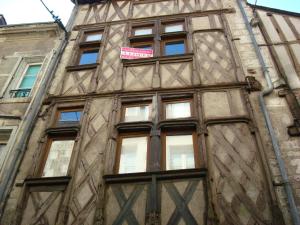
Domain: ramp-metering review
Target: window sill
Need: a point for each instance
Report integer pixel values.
(162, 59)
(160, 175)
(90, 44)
(134, 126)
(141, 38)
(82, 67)
(46, 183)
(173, 34)
(181, 123)
(66, 131)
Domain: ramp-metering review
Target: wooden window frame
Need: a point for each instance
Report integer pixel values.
(142, 26)
(136, 44)
(128, 105)
(119, 148)
(69, 109)
(87, 49)
(180, 132)
(159, 40)
(167, 40)
(47, 148)
(164, 24)
(87, 33)
(178, 100)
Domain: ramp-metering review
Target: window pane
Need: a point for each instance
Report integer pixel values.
(30, 77)
(174, 28)
(179, 152)
(58, 158)
(174, 48)
(27, 82)
(88, 57)
(133, 155)
(136, 113)
(70, 116)
(142, 31)
(93, 37)
(178, 110)
(146, 47)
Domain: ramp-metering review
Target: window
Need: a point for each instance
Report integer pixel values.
(173, 28)
(89, 50)
(171, 39)
(88, 57)
(132, 113)
(179, 152)
(142, 31)
(178, 109)
(172, 47)
(143, 45)
(69, 116)
(132, 154)
(57, 158)
(93, 36)
(27, 81)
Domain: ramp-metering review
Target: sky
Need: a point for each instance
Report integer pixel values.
(30, 11)
(288, 5)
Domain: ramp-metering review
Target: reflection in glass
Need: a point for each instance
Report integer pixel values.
(136, 113)
(179, 152)
(58, 158)
(133, 155)
(174, 48)
(178, 110)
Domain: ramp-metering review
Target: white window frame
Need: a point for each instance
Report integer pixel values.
(23, 75)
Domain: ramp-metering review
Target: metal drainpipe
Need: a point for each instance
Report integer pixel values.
(12, 171)
(267, 91)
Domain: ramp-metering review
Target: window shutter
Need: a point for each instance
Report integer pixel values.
(7, 68)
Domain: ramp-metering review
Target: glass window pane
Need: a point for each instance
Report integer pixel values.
(174, 48)
(58, 158)
(179, 152)
(93, 37)
(88, 57)
(70, 116)
(173, 28)
(133, 155)
(178, 110)
(145, 47)
(30, 77)
(136, 113)
(33, 70)
(27, 82)
(142, 31)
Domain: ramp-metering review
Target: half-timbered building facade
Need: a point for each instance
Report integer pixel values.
(177, 138)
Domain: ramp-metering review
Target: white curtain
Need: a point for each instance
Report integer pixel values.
(178, 110)
(179, 152)
(58, 158)
(133, 155)
(138, 113)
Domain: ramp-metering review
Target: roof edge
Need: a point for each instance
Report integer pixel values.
(81, 2)
(274, 10)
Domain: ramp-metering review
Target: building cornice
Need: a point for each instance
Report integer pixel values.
(81, 2)
(29, 28)
(274, 10)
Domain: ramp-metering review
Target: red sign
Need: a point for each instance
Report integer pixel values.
(135, 53)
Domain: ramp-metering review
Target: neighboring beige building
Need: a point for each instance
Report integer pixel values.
(26, 53)
(177, 138)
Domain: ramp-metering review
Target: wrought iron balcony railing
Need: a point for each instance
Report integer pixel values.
(19, 93)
